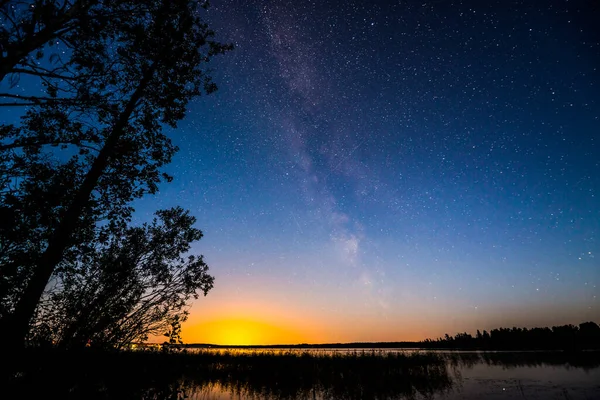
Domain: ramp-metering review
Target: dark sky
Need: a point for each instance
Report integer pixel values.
(388, 170)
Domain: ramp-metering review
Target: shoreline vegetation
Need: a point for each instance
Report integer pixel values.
(91, 373)
(288, 374)
(390, 370)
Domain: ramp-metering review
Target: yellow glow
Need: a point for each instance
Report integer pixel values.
(239, 331)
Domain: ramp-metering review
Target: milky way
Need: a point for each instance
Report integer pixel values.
(421, 167)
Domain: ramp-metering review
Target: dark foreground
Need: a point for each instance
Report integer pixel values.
(301, 375)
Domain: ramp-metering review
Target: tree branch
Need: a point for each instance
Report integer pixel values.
(47, 143)
(42, 74)
(34, 99)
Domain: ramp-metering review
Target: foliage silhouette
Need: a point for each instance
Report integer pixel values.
(29, 28)
(71, 169)
(55, 41)
(135, 285)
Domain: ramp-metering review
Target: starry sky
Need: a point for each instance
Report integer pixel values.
(394, 170)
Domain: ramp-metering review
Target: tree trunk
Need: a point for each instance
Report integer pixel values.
(16, 327)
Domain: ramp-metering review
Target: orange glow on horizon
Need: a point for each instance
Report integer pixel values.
(255, 330)
(241, 331)
(232, 317)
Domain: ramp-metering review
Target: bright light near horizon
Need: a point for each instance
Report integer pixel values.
(239, 331)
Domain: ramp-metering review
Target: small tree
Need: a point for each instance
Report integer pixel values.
(134, 284)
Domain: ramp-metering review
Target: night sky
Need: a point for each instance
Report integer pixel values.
(394, 170)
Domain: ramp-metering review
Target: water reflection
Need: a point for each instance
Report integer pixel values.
(304, 376)
(296, 375)
(585, 360)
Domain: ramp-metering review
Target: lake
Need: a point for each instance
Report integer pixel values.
(474, 375)
(296, 374)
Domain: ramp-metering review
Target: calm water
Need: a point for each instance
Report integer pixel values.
(473, 375)
(285, 374)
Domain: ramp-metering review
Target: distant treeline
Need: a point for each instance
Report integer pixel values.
(586, 336)
(564, 337)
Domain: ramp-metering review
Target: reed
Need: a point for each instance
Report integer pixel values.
(264, 374)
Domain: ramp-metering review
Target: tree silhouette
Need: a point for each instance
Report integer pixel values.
(28, 27)
(133, 285)
(44, 39)
(140, 72)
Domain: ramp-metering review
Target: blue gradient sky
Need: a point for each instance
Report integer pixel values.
(394, 170)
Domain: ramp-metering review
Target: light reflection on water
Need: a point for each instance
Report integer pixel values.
(478, 382)
(298, 374)
(473, 375)
(314, 351)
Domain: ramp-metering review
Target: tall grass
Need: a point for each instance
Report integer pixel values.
(259, 374)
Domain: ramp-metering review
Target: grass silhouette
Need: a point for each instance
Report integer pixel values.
(267, 374)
